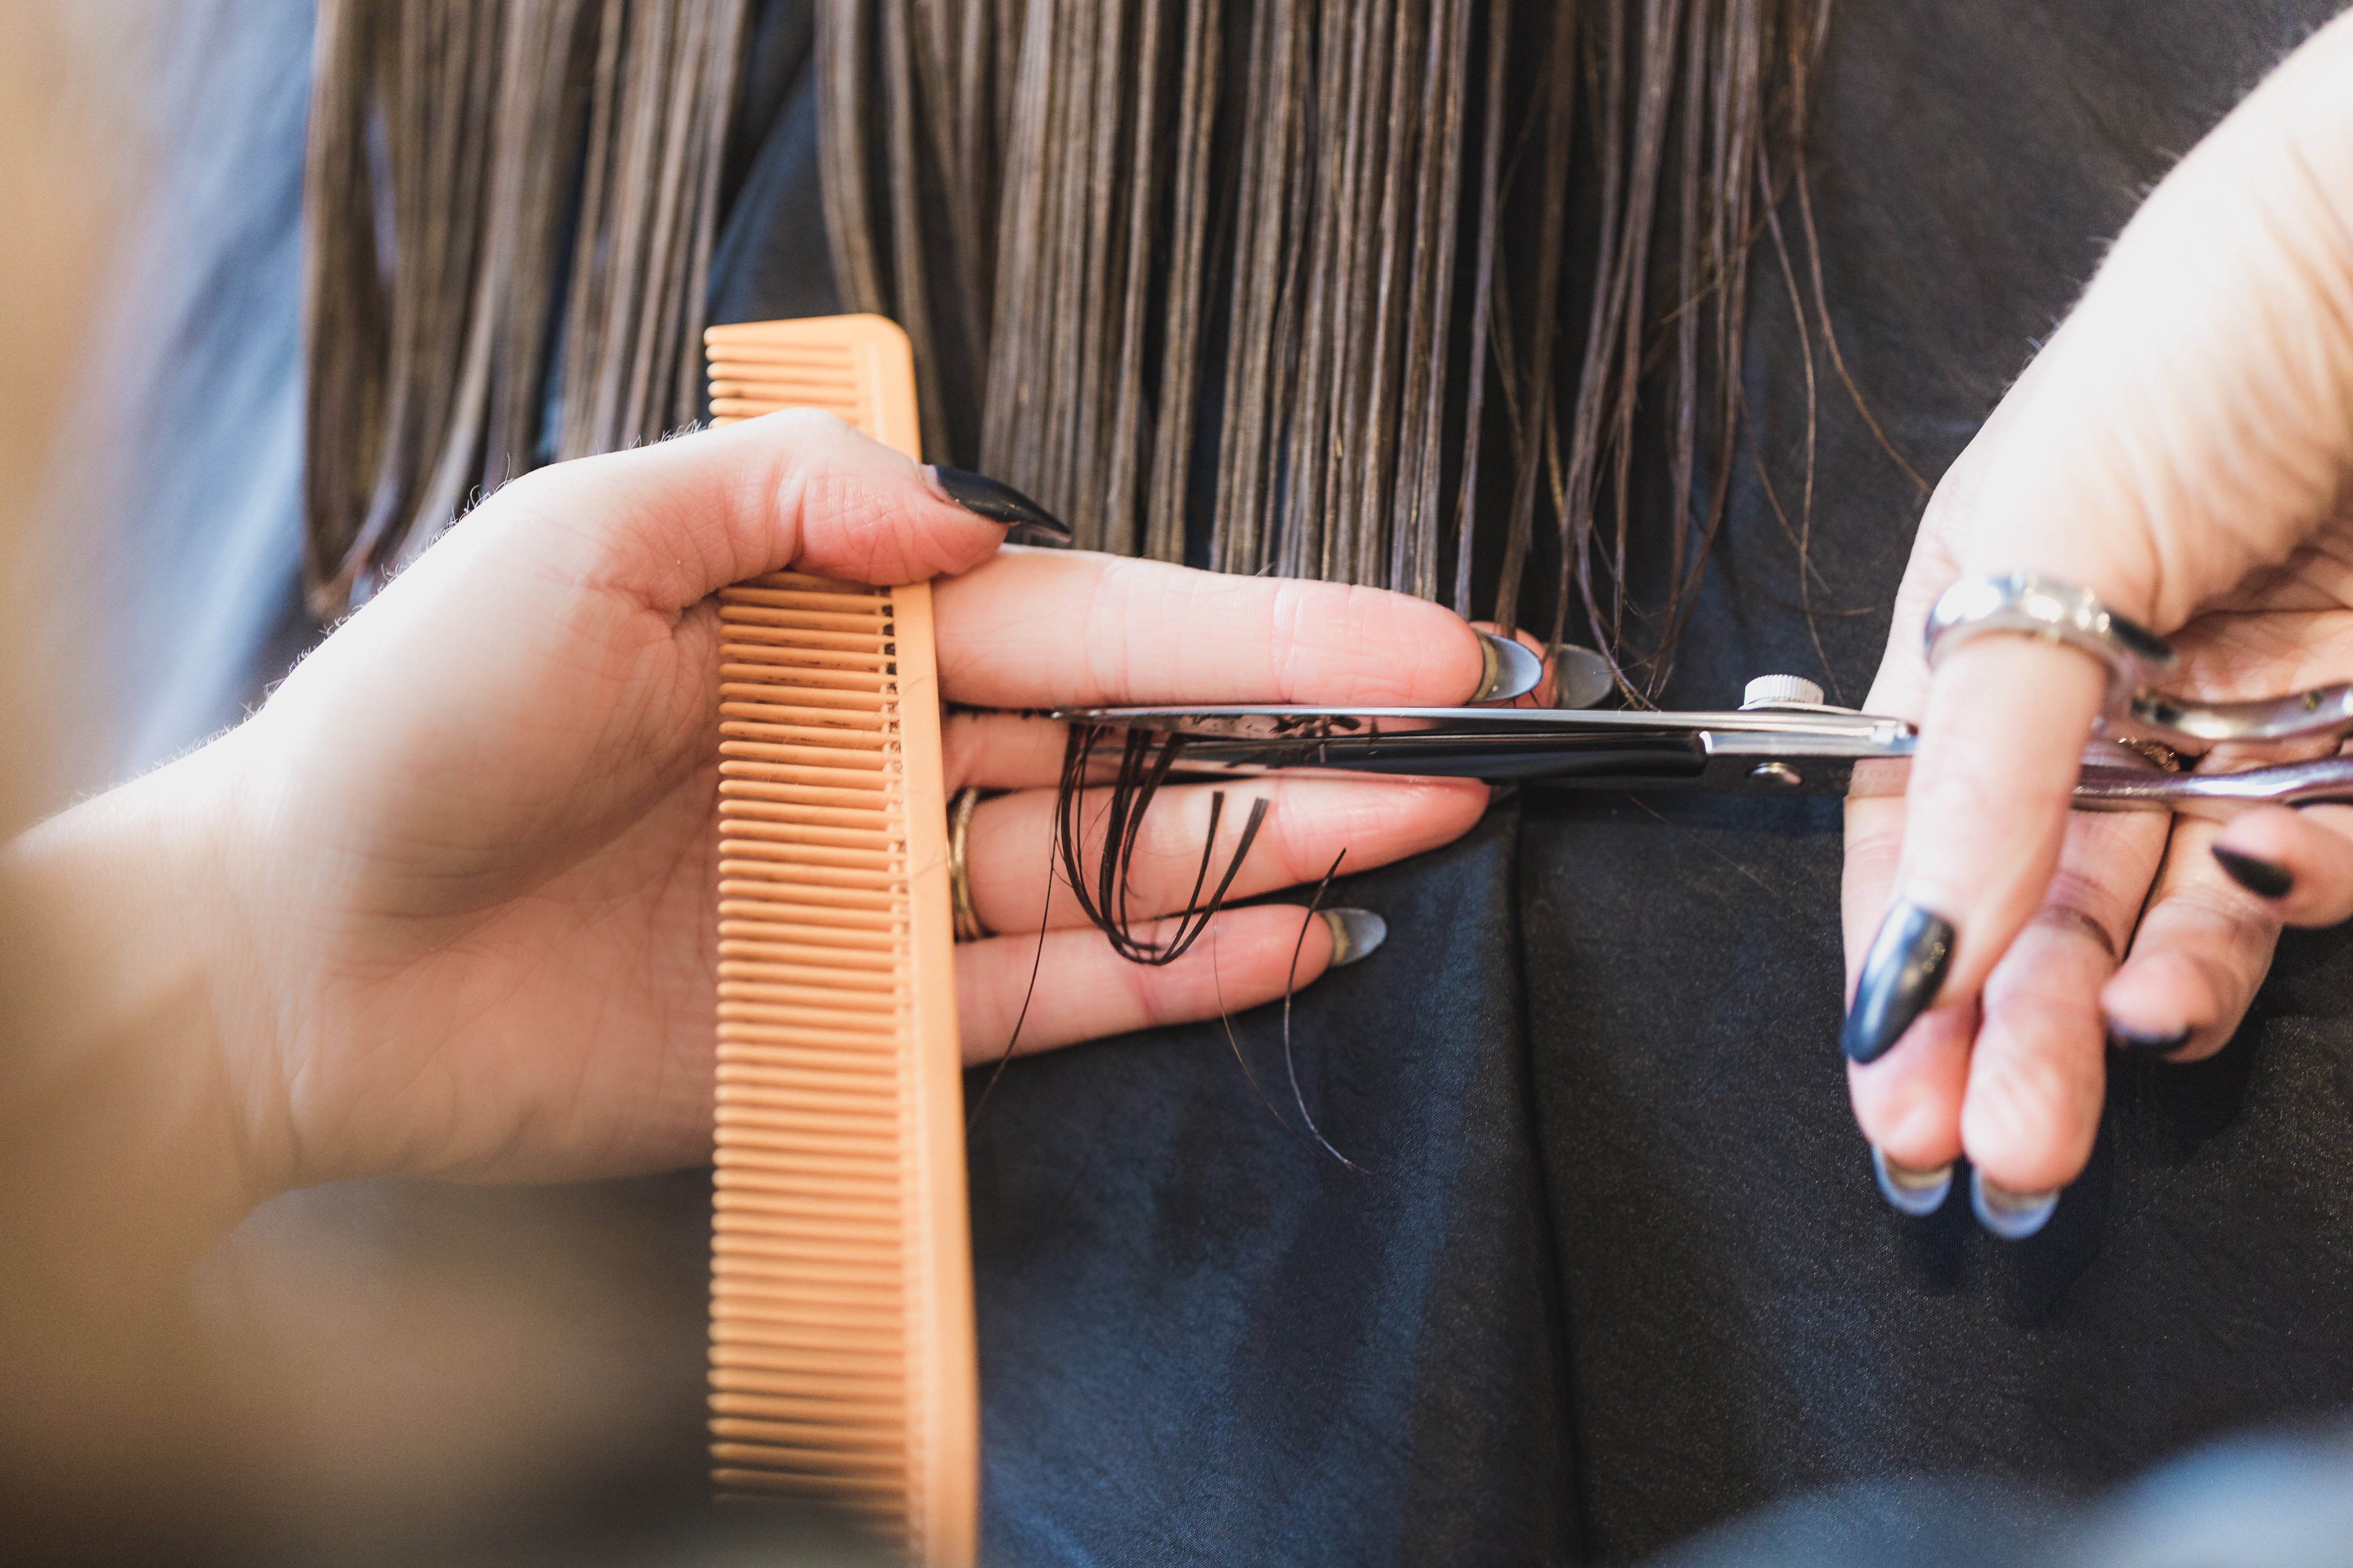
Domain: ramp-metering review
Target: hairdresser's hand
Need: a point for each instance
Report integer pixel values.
(2182, 447)
(465, 851)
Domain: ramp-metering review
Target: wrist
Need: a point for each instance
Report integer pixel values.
(139, 1102)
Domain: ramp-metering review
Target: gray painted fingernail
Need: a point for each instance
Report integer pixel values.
(1025, 520)
(1507, 669)
(2264, 879)
(2013, 1216)
(1355, 934)
(1900, 978)
(2146, 1043)
(1907, 1191)
(1581, 677)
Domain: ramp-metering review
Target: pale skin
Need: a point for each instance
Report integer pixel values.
(2182, 447)
(443, 907)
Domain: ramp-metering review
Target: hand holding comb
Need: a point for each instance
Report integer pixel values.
(443, 907)
(842, 1326)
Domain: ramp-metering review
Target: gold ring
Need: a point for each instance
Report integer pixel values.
(967, 922)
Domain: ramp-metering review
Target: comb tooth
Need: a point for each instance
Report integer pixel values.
(743, 767)
(804, 982)
(809, 710)
(747, 882)
(787, 921)
(842, 1358)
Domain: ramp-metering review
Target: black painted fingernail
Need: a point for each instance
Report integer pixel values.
(1900, 978)
(1024, 519)
(2264, 879)
(2142, 1043)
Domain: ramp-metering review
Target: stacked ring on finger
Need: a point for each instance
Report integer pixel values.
(967, 921)
(2036, 606)
(2031, 605)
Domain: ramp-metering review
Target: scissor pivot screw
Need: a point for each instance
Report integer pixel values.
(1780, 776)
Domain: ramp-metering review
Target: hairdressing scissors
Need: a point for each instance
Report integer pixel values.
(1783, 740)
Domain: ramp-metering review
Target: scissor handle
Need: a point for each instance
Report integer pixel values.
(2184, 721)
(2104, 787)
(2031, 604)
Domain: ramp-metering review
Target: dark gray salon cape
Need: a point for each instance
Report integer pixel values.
(1614, 1272)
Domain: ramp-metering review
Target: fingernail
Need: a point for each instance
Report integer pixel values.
(1024, 519)
(1501, 794)
(1900, 978)
(1581, 677)
(2264, 879)
(1915, 1192)
(1355, 934)
(2142, 1043)
(1507, 669)
(2013, 1216)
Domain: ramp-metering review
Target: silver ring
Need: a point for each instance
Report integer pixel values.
(2025, 602)
(2038, 606)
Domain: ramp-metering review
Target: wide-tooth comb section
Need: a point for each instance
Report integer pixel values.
(843, 1363)
(845, 365)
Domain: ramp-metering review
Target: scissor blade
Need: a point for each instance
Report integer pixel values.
(1784, 752)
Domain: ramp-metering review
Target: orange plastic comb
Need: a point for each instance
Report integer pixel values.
(842, 1359)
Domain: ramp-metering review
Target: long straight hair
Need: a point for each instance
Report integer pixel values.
(1444, 295)
(499, 195)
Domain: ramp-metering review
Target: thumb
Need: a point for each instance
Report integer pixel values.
(673, 523)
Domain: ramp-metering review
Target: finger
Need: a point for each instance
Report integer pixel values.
(2039, 1028)
(1013, 751)
(1050, 628)
(2039, 1070)
(670, 524)
(1002, 750)
(1084, 991)
(2297, 864)
(1310, 822)
(1985, 815)
(2203, 946)
(1876, 814)
(1908, 1101)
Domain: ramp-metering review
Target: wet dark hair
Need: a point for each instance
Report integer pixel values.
(465, 163)
(1302, 275)
(1425, 294)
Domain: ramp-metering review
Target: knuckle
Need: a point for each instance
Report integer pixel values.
(811, 426)
(2070, 920)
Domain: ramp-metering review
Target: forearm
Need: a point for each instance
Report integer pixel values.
(124, 1105)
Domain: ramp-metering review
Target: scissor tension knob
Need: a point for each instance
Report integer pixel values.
(1782, 690)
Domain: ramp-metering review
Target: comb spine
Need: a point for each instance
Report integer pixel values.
(946, 1461)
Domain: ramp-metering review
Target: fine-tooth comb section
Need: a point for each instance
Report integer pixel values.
(842, 1359)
